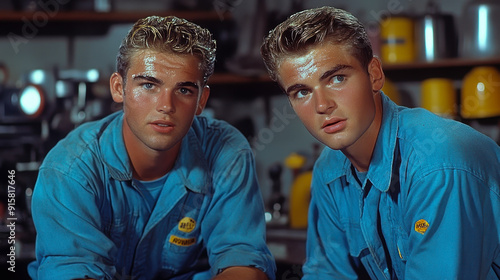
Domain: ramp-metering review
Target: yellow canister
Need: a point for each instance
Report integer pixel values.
(397, 39)
(439, 96)
(480, 96)
(300, 197)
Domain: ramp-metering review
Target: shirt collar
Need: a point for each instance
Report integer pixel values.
(114, 154)
(191, 166)
(382, 163)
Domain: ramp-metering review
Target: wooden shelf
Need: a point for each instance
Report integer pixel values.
(82, 23)
(445, 63)
(455, 68)
(404, 71)
(89, 16)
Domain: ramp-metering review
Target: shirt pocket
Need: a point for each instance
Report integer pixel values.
(181, 248)
(358, 249)
(357, 244)
(183, 244)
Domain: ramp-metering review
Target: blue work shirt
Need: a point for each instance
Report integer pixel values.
(92, 220)
(429, 207)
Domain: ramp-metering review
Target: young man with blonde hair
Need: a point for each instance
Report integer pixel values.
(153, 191)
(398, 193)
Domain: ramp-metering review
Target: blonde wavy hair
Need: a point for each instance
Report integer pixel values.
(313, 27)
(168, 34)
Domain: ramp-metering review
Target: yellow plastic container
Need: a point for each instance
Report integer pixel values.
(439, 96)
(480, 96)
(295, 161)
(300, 197)
(397, 40)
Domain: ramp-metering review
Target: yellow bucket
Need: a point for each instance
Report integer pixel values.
(439, 96)
(481, 93)
(397, 36)
(300, 196)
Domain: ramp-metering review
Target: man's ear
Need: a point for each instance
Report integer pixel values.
(205, 93)
(376, 73)
(116, 87)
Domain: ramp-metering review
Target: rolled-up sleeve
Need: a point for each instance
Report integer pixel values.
(69, 242)
(234, 226)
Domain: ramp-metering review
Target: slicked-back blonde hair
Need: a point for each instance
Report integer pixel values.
(312, 27)
(168, 34)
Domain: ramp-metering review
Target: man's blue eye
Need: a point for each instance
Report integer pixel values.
(148, 85)
(301, 93)
(338, 79)
(185, 91)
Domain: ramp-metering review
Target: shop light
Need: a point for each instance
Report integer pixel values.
(482, 28)
(37, 76)
(92, 75)
(32, 100)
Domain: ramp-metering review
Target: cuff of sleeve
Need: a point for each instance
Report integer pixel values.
(264, 262)
(52, 269)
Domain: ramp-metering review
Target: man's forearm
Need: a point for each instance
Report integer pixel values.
(241, 273)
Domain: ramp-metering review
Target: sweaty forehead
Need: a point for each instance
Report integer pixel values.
(303, 66)
(150, 60)
(322, 53)
(314, 64)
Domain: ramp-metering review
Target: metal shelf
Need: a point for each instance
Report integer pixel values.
(65, 23)
(455, 68)
(111, 17)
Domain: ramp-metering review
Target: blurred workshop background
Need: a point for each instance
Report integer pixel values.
(56, 57)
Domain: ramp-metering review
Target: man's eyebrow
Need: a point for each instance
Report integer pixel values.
(147, 78)
(188, 84)
(294, 87)
(332, 71)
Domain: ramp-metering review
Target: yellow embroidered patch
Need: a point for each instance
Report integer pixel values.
(182, 241)
(421, 226)
(187, 224)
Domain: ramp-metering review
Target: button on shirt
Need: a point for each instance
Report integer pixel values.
(428, 208)
(93, 220)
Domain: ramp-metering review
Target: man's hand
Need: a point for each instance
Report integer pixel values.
(241, 273)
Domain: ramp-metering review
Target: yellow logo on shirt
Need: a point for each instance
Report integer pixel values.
(182, 241)
(421, 226)
(187, 224)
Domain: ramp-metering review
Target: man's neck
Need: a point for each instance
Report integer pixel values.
(152, 165)
(148, 164)
(360, 153)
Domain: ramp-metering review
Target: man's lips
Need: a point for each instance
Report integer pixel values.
(333, 125)
(163, 123)
(162, 126)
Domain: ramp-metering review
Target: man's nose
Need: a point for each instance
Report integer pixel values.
(166, 102)
(323, 101)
